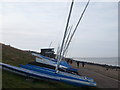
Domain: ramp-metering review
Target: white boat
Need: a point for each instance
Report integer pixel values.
(64, 66)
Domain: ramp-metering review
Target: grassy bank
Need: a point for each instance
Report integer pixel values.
(15, 56)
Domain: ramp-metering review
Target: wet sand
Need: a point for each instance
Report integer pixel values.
(105, 77)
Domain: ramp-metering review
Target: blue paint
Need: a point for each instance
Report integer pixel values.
(45, 71)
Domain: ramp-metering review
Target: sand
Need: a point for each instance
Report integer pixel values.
(104, 77)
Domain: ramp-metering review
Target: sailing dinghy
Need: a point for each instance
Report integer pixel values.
(37, 72)
(52, 63)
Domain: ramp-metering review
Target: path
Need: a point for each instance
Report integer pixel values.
(101, 80)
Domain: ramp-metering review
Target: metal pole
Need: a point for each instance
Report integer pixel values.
(76, 27)
(61, 49)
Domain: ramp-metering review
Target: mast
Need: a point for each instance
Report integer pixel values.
(76, 28)
(63, 46)
(63, 41)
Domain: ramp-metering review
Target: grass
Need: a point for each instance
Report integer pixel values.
(15, 56)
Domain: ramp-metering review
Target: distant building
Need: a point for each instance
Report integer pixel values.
(49, 52)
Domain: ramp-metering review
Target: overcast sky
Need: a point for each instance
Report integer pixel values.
(33, 25)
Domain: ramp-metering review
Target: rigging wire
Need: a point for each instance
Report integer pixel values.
(58, 49)
(50, 44)
(68, 36)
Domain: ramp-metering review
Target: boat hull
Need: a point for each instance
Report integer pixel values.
(44, 74)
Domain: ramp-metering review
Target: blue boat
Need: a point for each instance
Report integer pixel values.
(48, 74)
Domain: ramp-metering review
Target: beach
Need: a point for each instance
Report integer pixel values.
(104, 76)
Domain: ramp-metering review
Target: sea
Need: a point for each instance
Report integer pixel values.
(111, 61)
